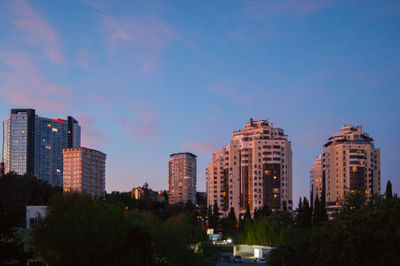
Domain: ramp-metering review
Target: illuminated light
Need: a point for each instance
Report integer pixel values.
(354, 169)
(54, 129)
(23, 131)
(229, 241)
(48, 147)
(69, 131)
(337, 203)
(126, 208)
(274, 177)
(58, 121)
(266, 172)
(49, 125)
(361, 162)
(58, 171)
(275, 196)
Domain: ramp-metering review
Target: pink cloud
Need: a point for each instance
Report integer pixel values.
(259, 9)
(36, 30)
(25, 86)
(91, 137)
(144, 38)
(144, 126)
(200, 147)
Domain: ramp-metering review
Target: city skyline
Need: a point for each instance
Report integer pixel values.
(147, 79)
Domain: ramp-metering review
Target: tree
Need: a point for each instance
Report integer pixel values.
(388, 193)
(317, 212)
(307, 213)
(78, 230)
(232, 215)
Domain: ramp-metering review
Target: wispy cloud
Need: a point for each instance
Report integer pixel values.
(144, 37)
(36, 30)
(260, 9)
(143, 126)
(23, 85)
(91, 137)
(202, 147)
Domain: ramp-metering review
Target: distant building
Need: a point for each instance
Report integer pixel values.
(140, 193)
(253, 171)
(32, 214)
(182, 178)
(316, 183)
(33, 144)
(84, 171)
(349, 163)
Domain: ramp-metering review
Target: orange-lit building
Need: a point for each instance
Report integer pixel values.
(182, 178)
(349, 163)
(84, 171)
(253, 171)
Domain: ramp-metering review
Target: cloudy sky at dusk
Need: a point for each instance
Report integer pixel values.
(149, 78)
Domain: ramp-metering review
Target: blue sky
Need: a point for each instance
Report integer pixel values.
(149, 78)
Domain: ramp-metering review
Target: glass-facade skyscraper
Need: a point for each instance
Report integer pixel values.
(33, 144)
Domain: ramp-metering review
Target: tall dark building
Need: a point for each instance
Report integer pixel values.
(33, 144)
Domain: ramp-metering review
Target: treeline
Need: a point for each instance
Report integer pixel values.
(360, 234)
(80, 230)
(113, 230)
(15, 193)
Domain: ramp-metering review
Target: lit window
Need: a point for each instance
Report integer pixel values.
(55, 129)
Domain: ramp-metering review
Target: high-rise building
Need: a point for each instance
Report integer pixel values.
(182, 177)
(253, 171)
(316, 184)
(349, 163)
(33, 144)
(84, 171)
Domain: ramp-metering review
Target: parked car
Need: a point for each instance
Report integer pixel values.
(237, 258)
(261, 260)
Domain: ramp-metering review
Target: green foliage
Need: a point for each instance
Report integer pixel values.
(304, 214)
(80, 230)
(369, 235)
(16, 192)
(268, 230)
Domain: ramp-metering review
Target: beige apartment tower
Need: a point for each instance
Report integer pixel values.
(182, 178)
(316, 183)
(349, 163)
(253, 171)
(84, 171)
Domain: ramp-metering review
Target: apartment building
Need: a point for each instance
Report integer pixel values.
(254, 170)
(84, 171)
(182, 178)
(349, 163)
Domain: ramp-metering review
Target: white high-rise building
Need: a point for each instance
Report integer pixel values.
(349, 163)
(254, 170)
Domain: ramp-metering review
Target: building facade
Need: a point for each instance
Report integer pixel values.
(84, 171)
(253, 171)
(33, 144)
(316, 184)
(182, 178)
(349, 163)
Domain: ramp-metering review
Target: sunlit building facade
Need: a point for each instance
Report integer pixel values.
(33, 144)
(182, 178)
(84, 171)
(253, 171)
(349, 163)
(316, 184)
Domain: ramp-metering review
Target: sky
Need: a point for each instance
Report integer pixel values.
(149, 78)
